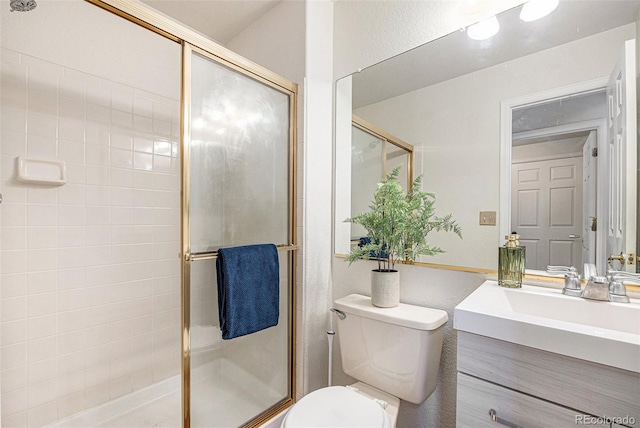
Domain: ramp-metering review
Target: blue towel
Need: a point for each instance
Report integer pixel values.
(382, 254)
(248, 289)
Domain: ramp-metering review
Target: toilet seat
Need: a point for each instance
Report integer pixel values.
(336, 406)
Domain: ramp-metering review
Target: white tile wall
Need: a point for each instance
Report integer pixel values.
(90, 274)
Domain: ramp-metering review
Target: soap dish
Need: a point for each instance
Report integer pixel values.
(38, 171)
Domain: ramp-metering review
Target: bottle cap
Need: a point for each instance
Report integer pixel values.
(512, 241)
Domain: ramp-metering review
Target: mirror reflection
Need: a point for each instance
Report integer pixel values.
(374, 153)
(554, 149)
(544, 91)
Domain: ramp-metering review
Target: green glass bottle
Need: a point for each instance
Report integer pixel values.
(511, 263)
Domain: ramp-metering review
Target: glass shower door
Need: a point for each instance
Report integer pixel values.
(238, 192)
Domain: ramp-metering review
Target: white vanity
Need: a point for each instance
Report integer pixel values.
(533, 357)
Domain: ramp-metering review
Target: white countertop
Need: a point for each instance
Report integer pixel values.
(543, 318)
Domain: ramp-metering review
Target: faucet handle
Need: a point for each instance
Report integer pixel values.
(571, 279)
(562, 270)
(622, 275)
(617, 289)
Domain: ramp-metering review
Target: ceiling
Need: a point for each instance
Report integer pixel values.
(456, 54)
(571, 109)
(220, 20)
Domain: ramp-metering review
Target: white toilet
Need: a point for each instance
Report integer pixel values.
(394, 352)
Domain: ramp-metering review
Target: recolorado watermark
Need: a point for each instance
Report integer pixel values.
(604, 420)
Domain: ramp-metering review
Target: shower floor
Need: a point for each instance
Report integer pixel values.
(222, 396)
(225, 395)
(163, 412)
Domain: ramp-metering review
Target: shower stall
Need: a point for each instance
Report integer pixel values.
(133, 148)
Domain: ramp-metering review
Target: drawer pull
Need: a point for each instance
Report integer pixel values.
(494, 417)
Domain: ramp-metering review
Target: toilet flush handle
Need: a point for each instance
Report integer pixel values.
(382, 403)
(339, 313)
(378, 401)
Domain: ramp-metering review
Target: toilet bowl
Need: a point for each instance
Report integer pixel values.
(393, 352)
(357, 405)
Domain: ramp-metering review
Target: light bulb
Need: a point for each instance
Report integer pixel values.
(536, 9)
(484, 29)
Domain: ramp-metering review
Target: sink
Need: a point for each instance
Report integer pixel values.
(544, 318)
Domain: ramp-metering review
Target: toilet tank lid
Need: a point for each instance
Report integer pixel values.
(417, 317)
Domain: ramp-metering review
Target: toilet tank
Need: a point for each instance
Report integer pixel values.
(396, 349)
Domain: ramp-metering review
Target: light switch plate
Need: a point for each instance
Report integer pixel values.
(487, 218)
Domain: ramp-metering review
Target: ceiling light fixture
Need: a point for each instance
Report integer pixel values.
(484, 29)
(536, 9)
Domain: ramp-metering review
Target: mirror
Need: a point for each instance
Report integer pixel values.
(554, 205)
(463, 103)
(374, 153)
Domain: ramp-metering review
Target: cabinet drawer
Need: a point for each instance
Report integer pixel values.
(476, 397)
(570, 382)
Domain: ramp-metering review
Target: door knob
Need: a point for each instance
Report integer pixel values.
(629, 259)
(621, 257)
(572, 236)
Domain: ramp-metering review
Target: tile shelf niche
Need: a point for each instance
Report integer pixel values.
(39, 171)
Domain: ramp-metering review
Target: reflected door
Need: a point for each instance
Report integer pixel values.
(547, 211)
(622, 152)
(589, 201)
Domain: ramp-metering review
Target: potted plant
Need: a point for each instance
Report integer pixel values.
(397, 227)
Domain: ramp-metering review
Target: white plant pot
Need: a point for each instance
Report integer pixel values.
(385, 288)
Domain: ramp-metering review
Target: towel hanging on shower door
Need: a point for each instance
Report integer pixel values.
(248, 289)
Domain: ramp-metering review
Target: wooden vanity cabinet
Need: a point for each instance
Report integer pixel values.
(529, 387)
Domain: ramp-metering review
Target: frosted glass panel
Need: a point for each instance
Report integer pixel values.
(232, 381)
(398, 156)
(239, 159)
(366, 172)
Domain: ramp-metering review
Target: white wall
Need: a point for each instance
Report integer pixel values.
(81, 43)
(90, 281)
(317, 182)
(276, 40)
(556, 149)
(453, 151)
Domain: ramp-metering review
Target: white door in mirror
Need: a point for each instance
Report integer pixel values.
(546, 211)
(621, 153)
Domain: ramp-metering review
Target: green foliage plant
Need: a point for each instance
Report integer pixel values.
(398, 224)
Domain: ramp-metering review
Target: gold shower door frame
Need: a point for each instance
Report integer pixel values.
(387, 139)
(191, 42)
(188, 256)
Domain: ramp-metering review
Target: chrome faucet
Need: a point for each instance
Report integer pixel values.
(571, 279)
(617, 289)
(608, 289)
